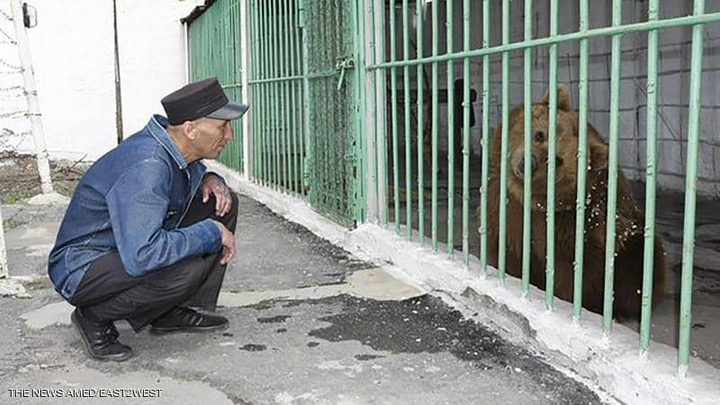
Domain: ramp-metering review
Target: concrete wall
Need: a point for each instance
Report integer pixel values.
(72, 49)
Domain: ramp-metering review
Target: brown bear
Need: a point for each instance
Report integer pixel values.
(630, 220)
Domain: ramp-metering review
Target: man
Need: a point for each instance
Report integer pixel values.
(148, 233)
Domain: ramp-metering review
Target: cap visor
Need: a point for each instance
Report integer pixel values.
(229, 111)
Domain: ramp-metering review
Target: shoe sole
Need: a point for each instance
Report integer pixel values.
(188, 329)
(117, 358)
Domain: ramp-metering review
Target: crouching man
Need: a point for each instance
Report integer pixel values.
(148, 232)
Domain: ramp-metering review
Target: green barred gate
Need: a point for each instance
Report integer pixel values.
(332, 104)
(214, 42)
(314, 84)
(305, 104)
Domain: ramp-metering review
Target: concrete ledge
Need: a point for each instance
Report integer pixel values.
(609, 365)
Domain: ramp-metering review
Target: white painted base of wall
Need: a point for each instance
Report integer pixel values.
(609, 365)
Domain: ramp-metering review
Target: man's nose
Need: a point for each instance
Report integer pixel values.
(229, 132)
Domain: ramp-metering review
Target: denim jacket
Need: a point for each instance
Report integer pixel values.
(132, 200)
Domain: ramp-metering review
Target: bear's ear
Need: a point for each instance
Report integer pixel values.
(563, 97)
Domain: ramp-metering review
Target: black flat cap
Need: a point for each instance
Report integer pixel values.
(204, 98)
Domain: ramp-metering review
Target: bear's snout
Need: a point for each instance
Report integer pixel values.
(519, 166)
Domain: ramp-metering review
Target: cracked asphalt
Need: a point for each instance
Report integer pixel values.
(309, 324)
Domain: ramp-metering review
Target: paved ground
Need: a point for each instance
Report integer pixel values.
(308, 325)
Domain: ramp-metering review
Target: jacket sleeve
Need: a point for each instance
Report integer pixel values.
(137, 204)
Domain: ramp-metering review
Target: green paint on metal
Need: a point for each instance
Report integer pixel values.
(650, 182)
(451, 134)
(552, 145)
(308, 76)
(582, 164)
(560, 38)
(527, 172)
(420, 123)
(394, 101)
(466, 136)
(505, 95)
(690, 191)
(612, 168)
(484, 173)
(408, 146)
(215, 51)
(329, 39)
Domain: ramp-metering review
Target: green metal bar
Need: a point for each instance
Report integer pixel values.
(282, 108)
(527, 175)
(239, 70)
(466, 136)
(612, 168)
(690, 191)
(307, 148)
(268, 95)
(575, 36)
(265, 116)
(257, 92)
(289, 100)
(293, 107)
(485, 171)
(408, 146)
(650, 182)
(276, 92)
(251, 20)
(451, 133)
(297, 97)
(277, 79)
(269, 100)
(505, 95)
(552, 144)
(360, 123)
(249, 70)
(435, 125)
(252, 43)
(393, 102)
(420, 124)
(582, 164)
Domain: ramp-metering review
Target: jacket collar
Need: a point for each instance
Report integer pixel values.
(157, 128)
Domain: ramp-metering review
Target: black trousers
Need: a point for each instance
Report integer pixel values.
(108, 293)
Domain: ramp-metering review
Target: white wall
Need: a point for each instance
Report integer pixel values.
(152, 56)
(72, 50)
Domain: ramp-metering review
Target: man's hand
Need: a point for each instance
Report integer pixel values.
(228, 244)
(223, 200)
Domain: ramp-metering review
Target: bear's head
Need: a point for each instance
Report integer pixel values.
(565, 152)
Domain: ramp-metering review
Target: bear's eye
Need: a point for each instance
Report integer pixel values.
(539, 136)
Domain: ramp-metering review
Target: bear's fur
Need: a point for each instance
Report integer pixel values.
(630, 220)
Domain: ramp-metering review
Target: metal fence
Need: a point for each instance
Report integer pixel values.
(276, 83)
(360, 130)
(464, 54)
(215, 51)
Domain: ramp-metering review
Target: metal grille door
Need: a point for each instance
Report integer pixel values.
(332, 105)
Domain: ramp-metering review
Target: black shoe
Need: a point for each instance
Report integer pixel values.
(100, 339)
(182, 319)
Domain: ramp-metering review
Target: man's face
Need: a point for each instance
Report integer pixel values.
(211, 137)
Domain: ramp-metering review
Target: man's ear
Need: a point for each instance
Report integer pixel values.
(563, 97)
(189, 129)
